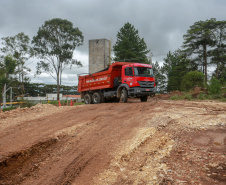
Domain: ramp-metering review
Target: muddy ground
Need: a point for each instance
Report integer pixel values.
(154, 142)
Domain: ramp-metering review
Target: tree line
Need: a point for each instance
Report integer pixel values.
(203, 48)
(53, 45)
(202, 56)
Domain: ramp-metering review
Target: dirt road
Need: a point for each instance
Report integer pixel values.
(156, 142)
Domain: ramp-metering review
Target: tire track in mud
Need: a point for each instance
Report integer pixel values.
(139, 159)
(19, 162)
(79, 144)
(94, 144)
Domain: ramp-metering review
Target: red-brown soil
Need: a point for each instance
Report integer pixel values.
(154, 142)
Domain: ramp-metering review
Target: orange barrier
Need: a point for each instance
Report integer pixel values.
(71, 102)
(59, 103)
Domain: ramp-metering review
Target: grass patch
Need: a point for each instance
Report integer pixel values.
(64, 102)
(176, 97)
(78, 103)
(182, 97)
(201, 96)
(187, 97)
(8, 108)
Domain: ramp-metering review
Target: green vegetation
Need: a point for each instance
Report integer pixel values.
(201, 96)
(39, 89)
(182, 97)
(18, 48)
(129, 47)
(175, 66)
(215, 86)
(54, 44)
(27, 104)
(192, 79)
(8, 109)
(64, 102)
(204, 46)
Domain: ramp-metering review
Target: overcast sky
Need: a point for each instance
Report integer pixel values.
(162, 23)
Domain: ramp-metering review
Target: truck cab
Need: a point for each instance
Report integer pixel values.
(138, 81)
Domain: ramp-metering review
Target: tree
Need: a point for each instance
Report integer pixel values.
(175, 66)
(55, 43)
(18, 47)
(197, 40)
(7, 68)
(159, 77)
(218, 52)
(215, 86)
(129, 46)
(192, 79)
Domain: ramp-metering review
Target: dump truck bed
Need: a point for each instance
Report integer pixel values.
(101, 80)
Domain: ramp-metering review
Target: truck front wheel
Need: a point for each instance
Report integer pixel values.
(88, 99)
(124, 96)
(144, 98)
(96, 98)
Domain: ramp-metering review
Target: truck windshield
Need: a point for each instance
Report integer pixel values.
(143, 71)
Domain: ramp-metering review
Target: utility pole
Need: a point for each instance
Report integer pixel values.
(4, 96)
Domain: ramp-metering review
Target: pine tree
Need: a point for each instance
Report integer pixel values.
(175, 66)
(197, 40)
(129, 46)
(218, 52)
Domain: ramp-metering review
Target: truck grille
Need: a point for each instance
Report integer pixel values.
(146, 84)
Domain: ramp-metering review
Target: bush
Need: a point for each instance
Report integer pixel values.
(187, 97)
(27, 104)
(192, 79)
(202, 96)
(182, 97)
(214, 87)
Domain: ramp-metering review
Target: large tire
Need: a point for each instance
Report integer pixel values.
(88, 99)
(124, 96)
(143, 98)
(96, 98)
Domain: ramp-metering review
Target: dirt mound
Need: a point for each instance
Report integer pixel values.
(18, 111)
(167, 96)
(153, 142)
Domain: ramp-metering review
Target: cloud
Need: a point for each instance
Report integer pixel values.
(161, 23)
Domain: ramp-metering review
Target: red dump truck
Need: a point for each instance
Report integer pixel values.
(121, 80)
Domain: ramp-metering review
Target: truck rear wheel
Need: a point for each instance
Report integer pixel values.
(96, 98)
(88, 99)
(144, 98)
(124, 96)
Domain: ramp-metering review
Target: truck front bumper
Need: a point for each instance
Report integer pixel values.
(141, 91)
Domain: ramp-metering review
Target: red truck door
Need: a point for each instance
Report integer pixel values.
(128, 75)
